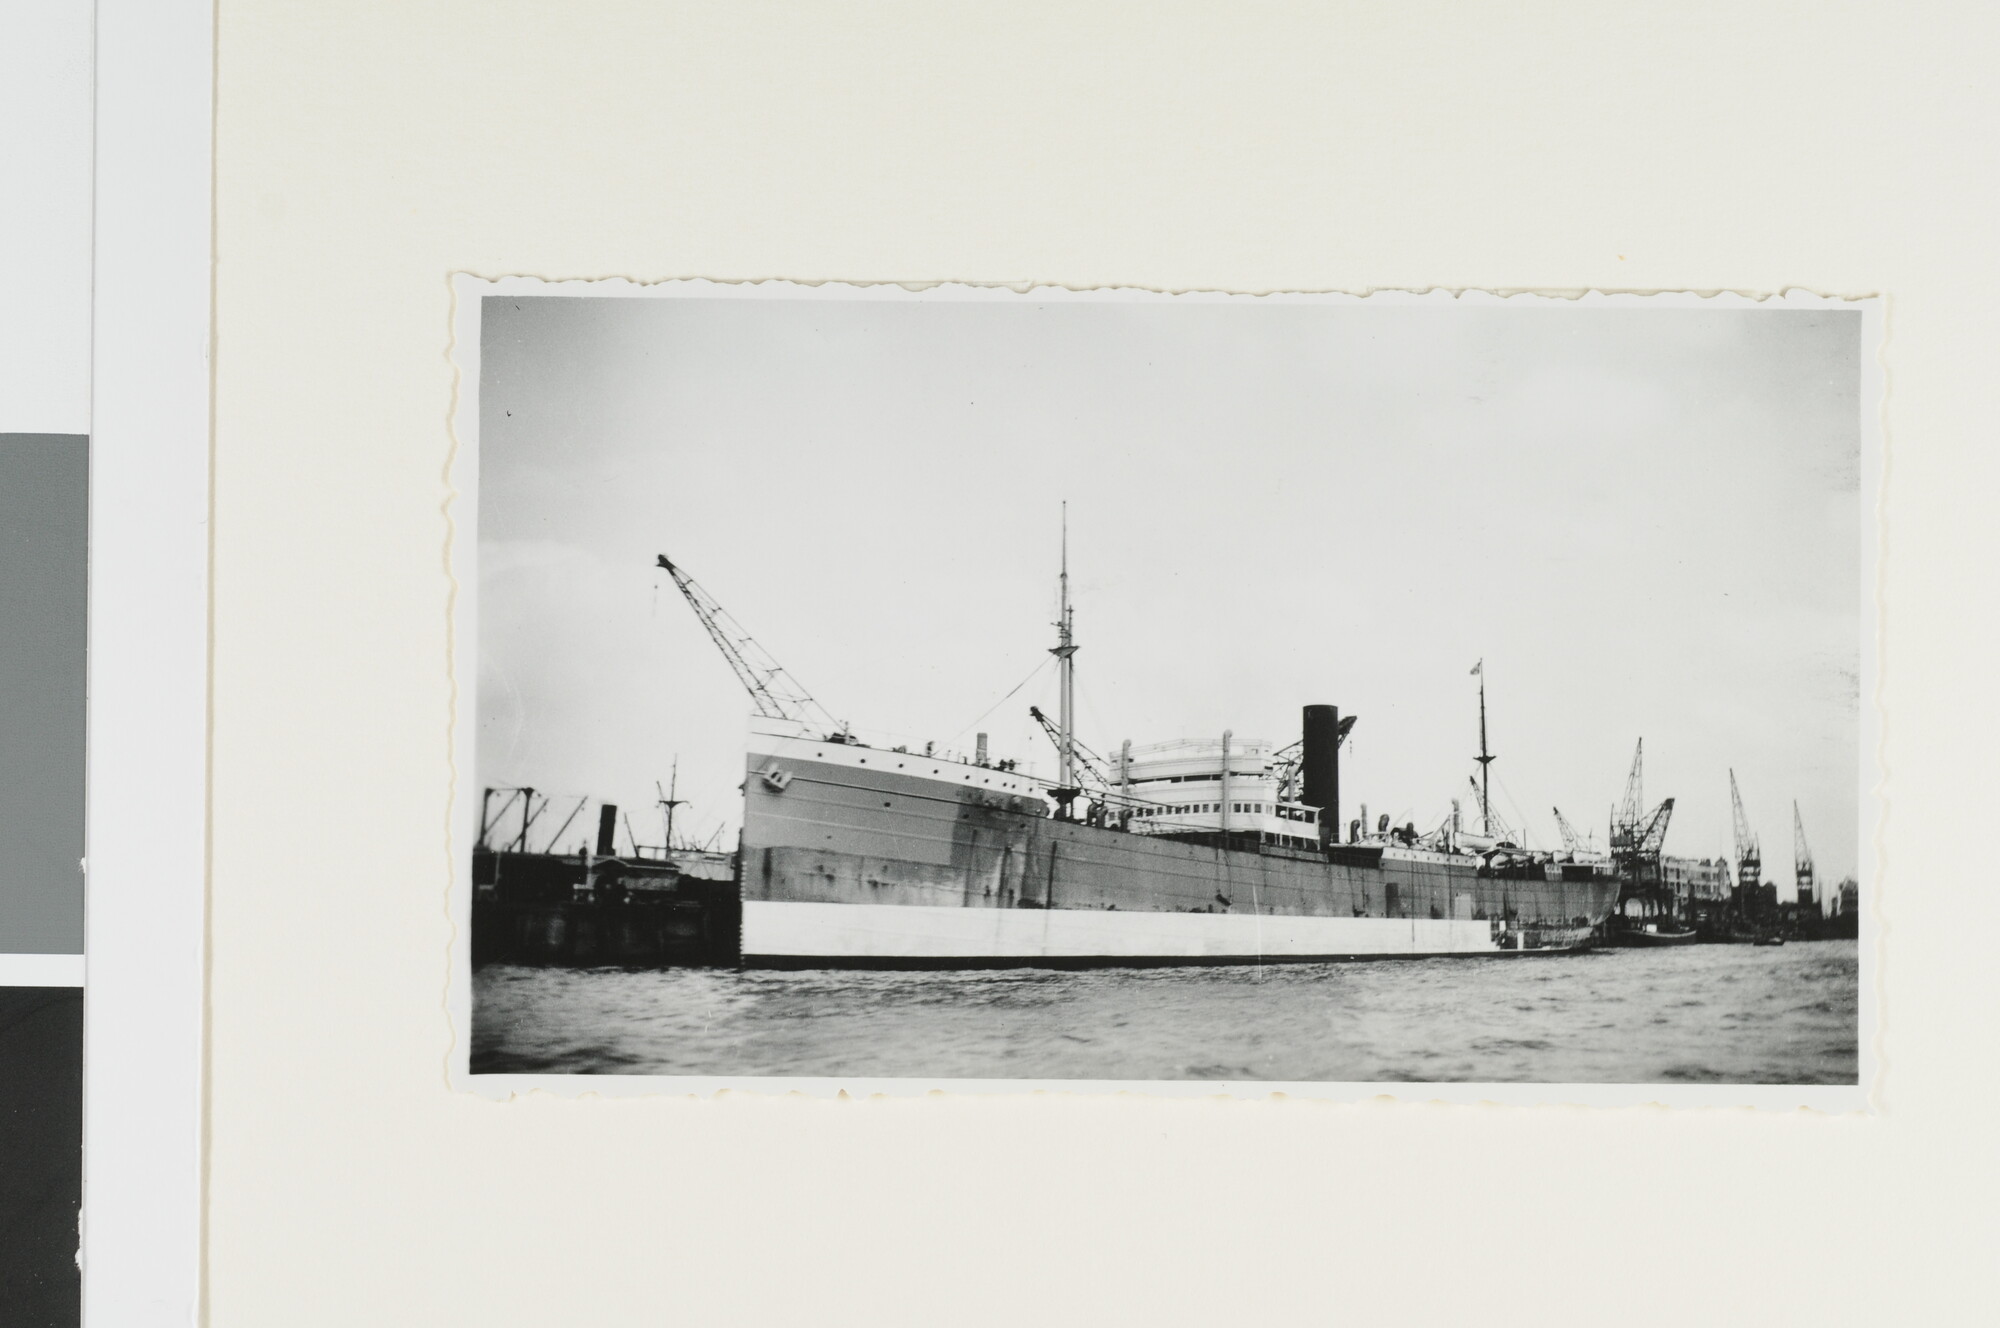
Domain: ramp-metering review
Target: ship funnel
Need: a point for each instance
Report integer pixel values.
(1318, 768)
(980, 756)
(1319, 762)
(607, 827)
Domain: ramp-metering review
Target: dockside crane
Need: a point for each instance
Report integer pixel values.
(1631, 808)
(1749, 858)
(1652, 836)
(1802, 863)
(1634, 830)
(1638, 836)
(555, 840)
(488, 818)
(775, 692)
(533, 803)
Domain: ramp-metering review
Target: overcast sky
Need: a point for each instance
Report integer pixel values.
(1645, 521)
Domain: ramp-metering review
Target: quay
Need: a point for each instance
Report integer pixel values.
(604, 909)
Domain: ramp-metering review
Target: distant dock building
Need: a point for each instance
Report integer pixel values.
(1696, 878)
(1696, 885)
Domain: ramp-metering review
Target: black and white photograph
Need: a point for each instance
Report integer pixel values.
(866, 685)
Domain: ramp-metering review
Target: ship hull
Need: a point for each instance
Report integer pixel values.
(859, 857)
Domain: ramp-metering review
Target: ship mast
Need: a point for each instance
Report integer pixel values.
(1065, 651)
(1485, 758)
(669, 799)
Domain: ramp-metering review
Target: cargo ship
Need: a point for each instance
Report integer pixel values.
(1207, 851)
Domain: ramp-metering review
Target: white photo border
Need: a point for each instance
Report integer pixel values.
(467, 290)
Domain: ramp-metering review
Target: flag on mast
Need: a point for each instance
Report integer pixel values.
(1478, 670)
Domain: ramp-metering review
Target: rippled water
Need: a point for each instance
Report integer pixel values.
(1704, 1014)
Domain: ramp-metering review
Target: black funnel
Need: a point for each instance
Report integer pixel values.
(1319, 762)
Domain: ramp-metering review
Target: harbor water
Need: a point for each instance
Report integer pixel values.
(1700, 1014)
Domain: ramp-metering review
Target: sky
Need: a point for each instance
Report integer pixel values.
(1645, 521)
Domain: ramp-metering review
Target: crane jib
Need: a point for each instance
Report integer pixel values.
(773, 691)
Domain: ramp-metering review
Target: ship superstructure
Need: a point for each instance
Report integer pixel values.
(1196, 786)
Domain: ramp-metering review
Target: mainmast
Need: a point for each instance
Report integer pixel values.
(669, 799)
(1065, 652)
(1485, 757)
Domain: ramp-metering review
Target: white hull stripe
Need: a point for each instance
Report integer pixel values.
(880, 931)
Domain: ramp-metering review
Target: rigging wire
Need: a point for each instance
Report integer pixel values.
(1085, 703)
(1040, 665)
(1521, 817)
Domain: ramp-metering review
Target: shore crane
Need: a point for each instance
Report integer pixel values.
(1749, 858)
(1637, 837)
(775, 692)
(1802, 863)
(1635, 830)
(1653, 834)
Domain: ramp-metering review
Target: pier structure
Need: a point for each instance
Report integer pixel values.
(648, 907)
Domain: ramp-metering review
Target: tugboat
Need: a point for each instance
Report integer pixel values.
(1651, 934)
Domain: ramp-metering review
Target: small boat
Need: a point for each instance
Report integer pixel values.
(1650, 935)
(1650, 939)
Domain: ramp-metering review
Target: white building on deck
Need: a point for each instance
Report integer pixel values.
(1192, 786)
